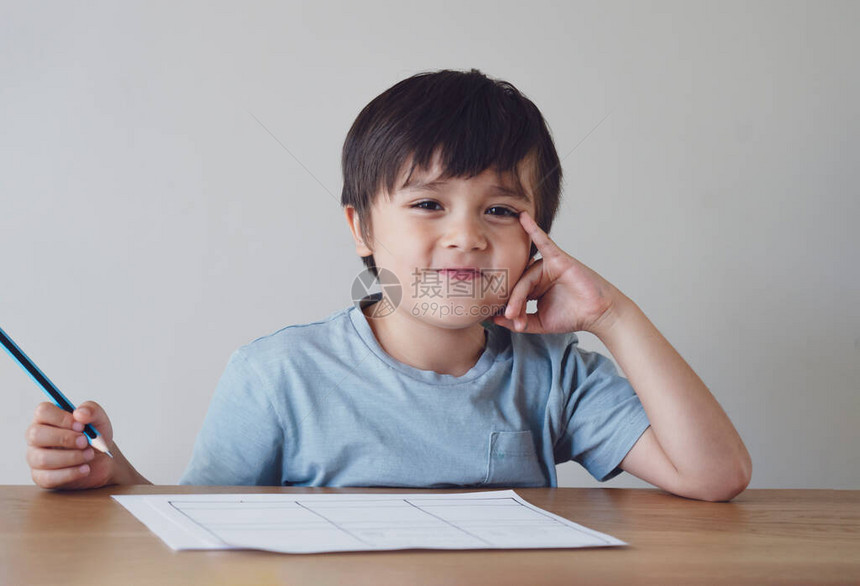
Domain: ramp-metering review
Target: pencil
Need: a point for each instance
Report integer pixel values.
(50, 389)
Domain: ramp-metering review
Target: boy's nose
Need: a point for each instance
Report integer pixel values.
(465, 234)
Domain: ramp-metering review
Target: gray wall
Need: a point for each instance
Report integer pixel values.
(149, 224)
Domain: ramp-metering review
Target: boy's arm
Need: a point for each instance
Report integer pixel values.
(691, 448)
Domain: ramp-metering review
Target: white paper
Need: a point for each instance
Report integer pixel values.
(316, 523)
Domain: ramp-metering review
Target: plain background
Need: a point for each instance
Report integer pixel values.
(170, 182)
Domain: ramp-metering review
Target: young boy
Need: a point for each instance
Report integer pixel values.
(451, 182)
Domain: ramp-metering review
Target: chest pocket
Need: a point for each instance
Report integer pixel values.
(513, 460)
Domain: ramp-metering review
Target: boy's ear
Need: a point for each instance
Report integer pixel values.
(352, 219)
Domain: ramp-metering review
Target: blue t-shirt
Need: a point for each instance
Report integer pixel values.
(322, 404)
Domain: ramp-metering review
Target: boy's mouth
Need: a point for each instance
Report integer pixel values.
(460, 273)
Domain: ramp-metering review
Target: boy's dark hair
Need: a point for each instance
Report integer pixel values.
(474, 121)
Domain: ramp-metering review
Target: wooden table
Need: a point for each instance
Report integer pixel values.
(762, 537)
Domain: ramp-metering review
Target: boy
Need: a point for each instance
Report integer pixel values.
(451, 182)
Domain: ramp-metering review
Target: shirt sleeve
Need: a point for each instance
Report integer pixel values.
(241, 441)
(604, 417)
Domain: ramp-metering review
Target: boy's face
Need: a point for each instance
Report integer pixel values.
(455, 245)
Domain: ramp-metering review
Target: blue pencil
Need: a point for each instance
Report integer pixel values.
(50, 389)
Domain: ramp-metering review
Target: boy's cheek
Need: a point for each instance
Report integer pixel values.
(515, 274)
(512, 282)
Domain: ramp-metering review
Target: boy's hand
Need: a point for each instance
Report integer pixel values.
(58, 452)
(571, 297)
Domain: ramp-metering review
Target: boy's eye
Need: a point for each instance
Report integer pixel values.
(427, 205)
(502, 211)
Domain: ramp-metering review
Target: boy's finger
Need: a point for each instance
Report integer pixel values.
(88, 411)
(525, 288)
(92, 413)
(530, 324)
(542, 241)
(59, 478)
(519, 296)
(49, 414)
(47, 436)
(504, 322)
(48, 459)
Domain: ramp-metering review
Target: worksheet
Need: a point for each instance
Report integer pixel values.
(316, 523)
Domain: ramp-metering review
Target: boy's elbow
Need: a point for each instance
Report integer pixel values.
(732, 481)
(720, 485)
(728, 490)
(742, 475)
